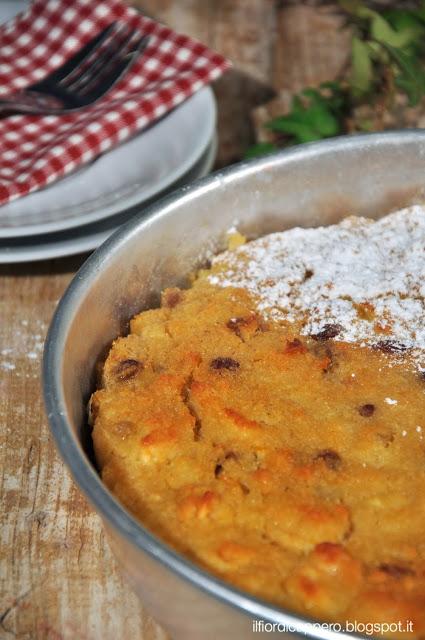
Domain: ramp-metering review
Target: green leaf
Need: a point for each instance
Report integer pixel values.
(401, 19)
(419, 13)
(260, 149)
(382, 31)
(313, 124)
(398, 28)
(301, 131)
(388, 48)
(375, 51)
(411, 75)
(361, 67)
(321, 119)
(315, 114)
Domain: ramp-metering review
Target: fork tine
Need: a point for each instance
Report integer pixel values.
(110, 50)
(110, 73)
(77, 71)
(108, 77)
(78, 58)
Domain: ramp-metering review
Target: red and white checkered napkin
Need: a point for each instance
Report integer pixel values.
(36, 150)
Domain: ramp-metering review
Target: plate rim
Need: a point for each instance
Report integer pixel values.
(117, 207)
(93, 240)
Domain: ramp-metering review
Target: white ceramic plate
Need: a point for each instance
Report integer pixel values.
(10, 8)
(124, 177)
(88, 237)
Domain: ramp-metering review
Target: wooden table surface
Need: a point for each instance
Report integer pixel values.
(58, 580)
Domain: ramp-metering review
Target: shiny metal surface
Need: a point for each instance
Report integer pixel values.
(311, 185)
(84, 78)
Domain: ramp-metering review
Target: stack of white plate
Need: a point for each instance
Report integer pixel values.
(77, 213)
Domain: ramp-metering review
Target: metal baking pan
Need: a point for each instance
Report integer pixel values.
(311, 185)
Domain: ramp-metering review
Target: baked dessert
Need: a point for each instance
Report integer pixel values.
(268, 422)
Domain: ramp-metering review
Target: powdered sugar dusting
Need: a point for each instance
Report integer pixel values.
(23, 344)
(366, 276)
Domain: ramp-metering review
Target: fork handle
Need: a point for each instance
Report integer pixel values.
(30, 102)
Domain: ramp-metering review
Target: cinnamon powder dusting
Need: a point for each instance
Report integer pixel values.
(379, 265)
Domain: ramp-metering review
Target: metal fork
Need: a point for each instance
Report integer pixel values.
(84, 78)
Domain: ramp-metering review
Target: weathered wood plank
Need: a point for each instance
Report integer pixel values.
(58, 580)
(311, 48)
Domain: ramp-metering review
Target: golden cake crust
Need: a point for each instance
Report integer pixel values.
(290, 465)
